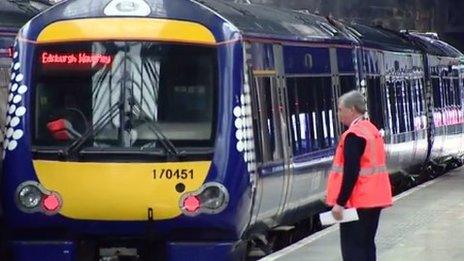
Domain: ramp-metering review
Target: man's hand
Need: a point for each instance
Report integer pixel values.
(337, 212)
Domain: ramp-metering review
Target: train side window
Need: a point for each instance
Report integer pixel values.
(401, 106)
(311, 114)
(418, 110)
(457, 95)
(409, 105)
(436, 99)
(461, 87)
(436, 93)
(421, 95)
(392, 107)
(347, 83)
(268, 121)
(374, 98)
(445, 93)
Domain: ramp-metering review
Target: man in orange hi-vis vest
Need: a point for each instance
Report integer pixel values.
(358, 179)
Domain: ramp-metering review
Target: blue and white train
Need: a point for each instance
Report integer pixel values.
(186, 129)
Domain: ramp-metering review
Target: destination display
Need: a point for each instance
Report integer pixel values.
(74, 59)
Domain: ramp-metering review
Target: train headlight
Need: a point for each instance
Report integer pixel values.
(32, 197)
(29, 196)
(211, 198)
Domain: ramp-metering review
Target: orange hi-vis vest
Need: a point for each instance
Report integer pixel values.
(372, 189)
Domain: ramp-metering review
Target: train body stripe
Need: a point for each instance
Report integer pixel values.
(148, 29)
(120, 191)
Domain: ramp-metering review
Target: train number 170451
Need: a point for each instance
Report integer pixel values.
(173, 174)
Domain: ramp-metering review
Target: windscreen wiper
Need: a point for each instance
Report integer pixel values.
(94, 129)
(167, 144)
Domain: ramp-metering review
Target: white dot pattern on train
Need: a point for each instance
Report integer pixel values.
(16, 109)
(243, 125)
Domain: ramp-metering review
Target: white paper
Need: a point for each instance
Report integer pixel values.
(349, 214)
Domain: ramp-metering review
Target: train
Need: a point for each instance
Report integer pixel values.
(198, 129)
(12, 20)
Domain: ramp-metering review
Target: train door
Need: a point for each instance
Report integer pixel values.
(312, 81)
(436, 79)
(270, 124)
(418, 110)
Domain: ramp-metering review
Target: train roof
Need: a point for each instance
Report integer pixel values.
(246, 19)
(267, 21)
(382, 38)
(433, 45)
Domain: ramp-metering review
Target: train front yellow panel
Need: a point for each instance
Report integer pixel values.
(120, 191)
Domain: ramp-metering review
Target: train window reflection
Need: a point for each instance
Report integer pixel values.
(399, 86)
(392, 107)
(374, 101)
(129, 92)
(417, 96)
(409, 106)
(311, 114)
(436, 86)
(405, 107)
(347, 83)
(269, 123)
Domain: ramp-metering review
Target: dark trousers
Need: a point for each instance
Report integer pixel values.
(357, 238)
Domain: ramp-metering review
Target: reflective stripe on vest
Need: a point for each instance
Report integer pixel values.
(362, 171)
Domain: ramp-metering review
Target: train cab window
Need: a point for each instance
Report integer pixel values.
(129, 94)
(311, 113)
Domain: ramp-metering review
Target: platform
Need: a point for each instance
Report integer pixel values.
(425, 223)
